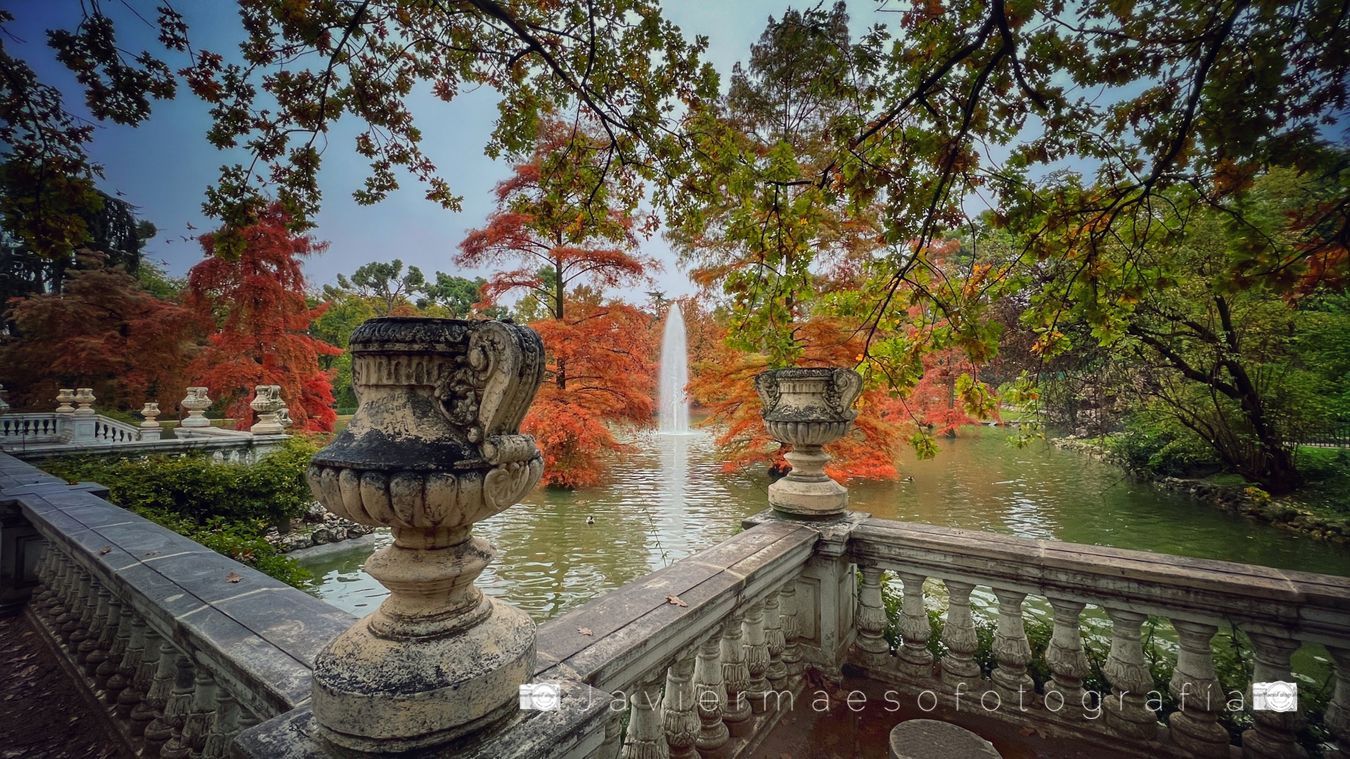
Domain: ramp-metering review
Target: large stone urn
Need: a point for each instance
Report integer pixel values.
(434, 447)
(808, 407)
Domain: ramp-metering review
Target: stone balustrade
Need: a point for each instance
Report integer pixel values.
(183, 646)
(1279, 611)
(707, 653)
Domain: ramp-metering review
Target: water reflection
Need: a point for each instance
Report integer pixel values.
(669, 498)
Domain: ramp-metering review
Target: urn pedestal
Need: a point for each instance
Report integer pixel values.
(808, 407)
(196, 402)
(433, 448)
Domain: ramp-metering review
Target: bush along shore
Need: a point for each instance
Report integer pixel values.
(1286, 512)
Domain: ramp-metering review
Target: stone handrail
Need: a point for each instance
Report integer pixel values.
(185, 645)
(113, 431)
(723, 621)
(36, 427)
(1278, 610)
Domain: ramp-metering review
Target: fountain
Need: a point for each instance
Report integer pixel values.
(674, 414)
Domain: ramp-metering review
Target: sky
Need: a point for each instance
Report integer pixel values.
(163, 166)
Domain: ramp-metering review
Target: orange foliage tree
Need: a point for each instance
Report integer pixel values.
(102, 331)
(567, 226)
(255, 301)
(723, 383)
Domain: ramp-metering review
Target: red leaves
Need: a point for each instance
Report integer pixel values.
(256, 302)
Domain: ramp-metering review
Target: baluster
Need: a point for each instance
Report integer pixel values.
(224, 727)
(86, 622)
(756, 658)
(645, 739)
(41, 597)
(792, 652)
(1068, 664)
(1273, 733)
(913, 657)
(736, 676)
(712, 696)
(77, 607)
(958, 635)
(1012, 652)
(201, 717)
(107, 635)
(610, 748)
(56, 606)
(110, 666)
(157, 694)
(1337, 717)
(124, 681)
(773, 638)
(90, 636)
(871, 622)
(136, 694)
(169, 725)
(679, 708)
(1127, 710)
(1195, 686)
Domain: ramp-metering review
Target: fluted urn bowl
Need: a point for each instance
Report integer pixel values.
(808, 406)
(434, 444)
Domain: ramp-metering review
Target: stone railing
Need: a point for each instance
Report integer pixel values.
(704, 651)
(112, 431)
(33, 428)
(183, 645)
(1279, 611)
(242, 448)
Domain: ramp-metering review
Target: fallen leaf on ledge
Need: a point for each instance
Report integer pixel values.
(675, 601)
(233, 577)
(105, 550)
(585, 631)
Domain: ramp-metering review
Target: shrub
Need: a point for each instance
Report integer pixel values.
(1159, 444)
(225, 507)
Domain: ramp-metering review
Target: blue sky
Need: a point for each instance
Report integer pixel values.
(164, 166)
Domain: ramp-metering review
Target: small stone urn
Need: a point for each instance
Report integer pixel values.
(150, 429)
(64, 397)
(84, 398)
(267, 402)
(434, 447)
(196, 402)
(808, 407)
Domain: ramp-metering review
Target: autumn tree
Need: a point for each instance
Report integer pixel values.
(255, 304)
(565, 222)
(101, 331)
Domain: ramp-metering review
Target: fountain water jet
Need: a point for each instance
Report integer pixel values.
(674, 413)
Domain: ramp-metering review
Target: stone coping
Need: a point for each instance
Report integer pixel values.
(256, 635)
(1314, 608)
(634, 630)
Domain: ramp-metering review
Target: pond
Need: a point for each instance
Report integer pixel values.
(669, 498)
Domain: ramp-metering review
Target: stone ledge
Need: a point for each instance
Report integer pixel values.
(221, 611)
(635, 630)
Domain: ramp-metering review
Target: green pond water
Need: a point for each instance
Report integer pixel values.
(670, 498)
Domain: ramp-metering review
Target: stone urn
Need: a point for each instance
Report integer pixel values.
(808, 407)
(150, 429)
(266, 403)
(434, 447)
(196, 402)
(64, 397)
(84, 399)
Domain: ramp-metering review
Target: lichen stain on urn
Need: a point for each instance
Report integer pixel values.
(434, 447)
